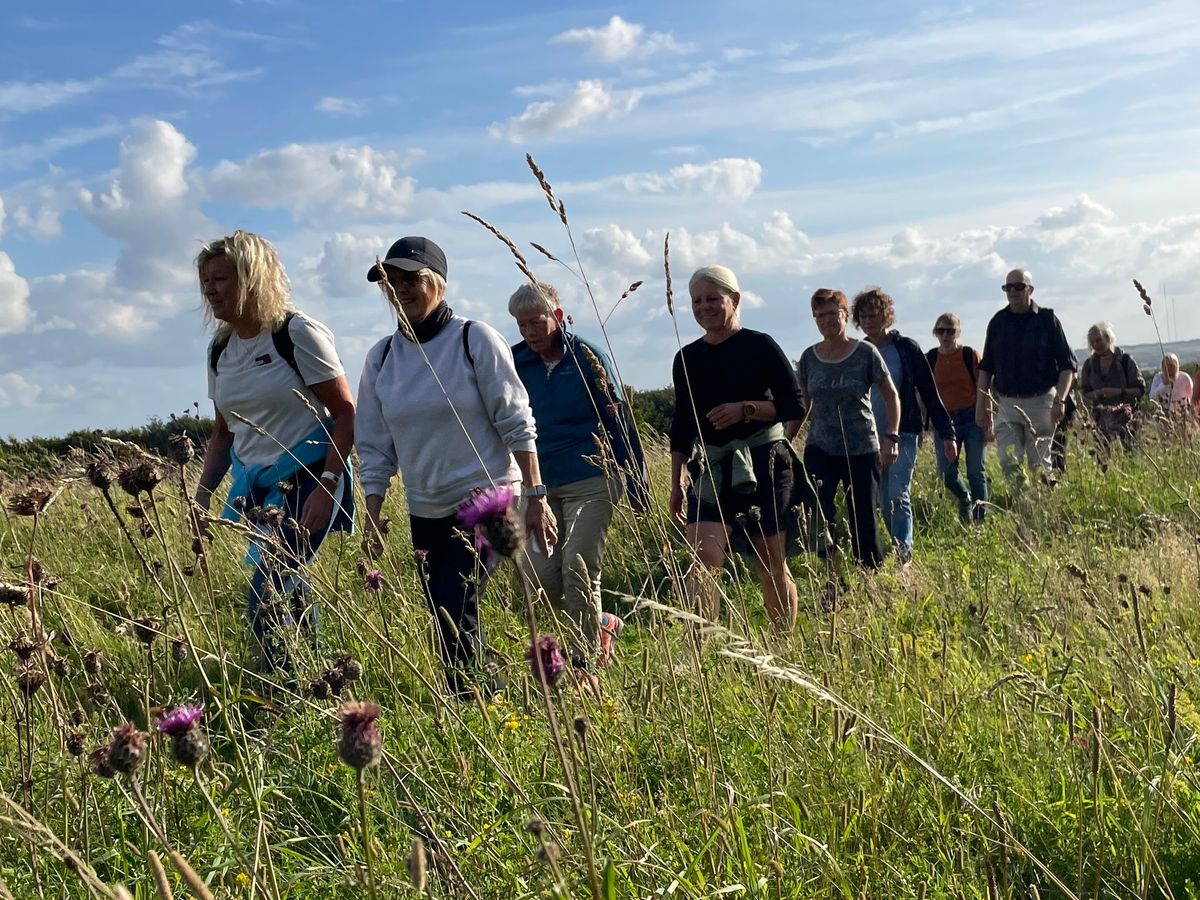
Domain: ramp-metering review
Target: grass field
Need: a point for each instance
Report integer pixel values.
(1014, 715)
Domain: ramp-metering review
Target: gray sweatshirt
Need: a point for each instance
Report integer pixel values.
(405, 421)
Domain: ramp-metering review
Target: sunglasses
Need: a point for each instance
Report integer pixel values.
(1013, 288)
(944, 331)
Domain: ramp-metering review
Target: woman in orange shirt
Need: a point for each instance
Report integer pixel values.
(954, 369)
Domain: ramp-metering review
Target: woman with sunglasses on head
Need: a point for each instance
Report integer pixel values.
(955, 371)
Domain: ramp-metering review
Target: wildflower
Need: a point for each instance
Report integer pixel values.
(373, 580)
(30, 503)
(139, 477)
(361, 743)
(180, 449)
(101, 764)
(127, 749)
(30, 677)
(242, 879)
(545, 659)
(189, 744)
(497, 530)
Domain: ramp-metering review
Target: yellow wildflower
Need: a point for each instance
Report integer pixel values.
(242, 879)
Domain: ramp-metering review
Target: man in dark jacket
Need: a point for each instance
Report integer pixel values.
(1024, 379)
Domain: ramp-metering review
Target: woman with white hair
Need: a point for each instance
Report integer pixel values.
(1111, 384)
(290, 466)
(440, 403)
(589, 454)
(1171, 387)
(734, 389)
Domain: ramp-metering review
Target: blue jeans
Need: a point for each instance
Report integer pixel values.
(895, 495)
(970, 443)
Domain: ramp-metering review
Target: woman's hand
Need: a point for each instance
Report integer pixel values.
(677, 502)
(888, 452)
(540, 523)
(318, 510)
(950, 448)
(725, 415)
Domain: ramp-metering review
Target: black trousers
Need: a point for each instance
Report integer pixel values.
(452, 578)
(860, 475)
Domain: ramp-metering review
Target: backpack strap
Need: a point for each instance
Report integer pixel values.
(931, 358)
(280, 337)
(969, 362)
(466, 342)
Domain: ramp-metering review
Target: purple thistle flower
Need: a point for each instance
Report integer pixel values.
(498, 532)
(373, 580)
(489, 503)
(180, 719)
(552, 662)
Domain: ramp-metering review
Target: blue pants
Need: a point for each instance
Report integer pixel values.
(971, 444)
(895, 495)
(279, 599)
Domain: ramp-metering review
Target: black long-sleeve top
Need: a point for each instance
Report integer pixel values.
(748, 365)
(918, 380)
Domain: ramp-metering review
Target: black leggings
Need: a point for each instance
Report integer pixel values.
(860, 474)
(452, 578)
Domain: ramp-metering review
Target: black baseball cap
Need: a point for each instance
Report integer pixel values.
(412, 254)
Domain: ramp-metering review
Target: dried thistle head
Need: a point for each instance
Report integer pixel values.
(335, 679)
(180, 449)
(29, 503)
(361, 743)
(544, 656)
(147, 629)
(100, 473)
(93, 661)
(127, 749)
(29, 677)
(76, 743)
(100, 763)
(349, 665)
(140, 477)
(24, 646)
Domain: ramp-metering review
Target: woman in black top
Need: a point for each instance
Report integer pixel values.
(733, 390)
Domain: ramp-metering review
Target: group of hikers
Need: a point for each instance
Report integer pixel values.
(444, 402)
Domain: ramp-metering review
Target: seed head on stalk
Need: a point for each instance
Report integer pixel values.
(30, 503)
(360, 745)
(127, 749)
(544, 656)
(140, 477)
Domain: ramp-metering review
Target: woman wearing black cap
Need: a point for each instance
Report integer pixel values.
(440, 402)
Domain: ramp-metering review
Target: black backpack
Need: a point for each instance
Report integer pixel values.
(281, 337)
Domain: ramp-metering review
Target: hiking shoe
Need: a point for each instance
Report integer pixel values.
(611, 626)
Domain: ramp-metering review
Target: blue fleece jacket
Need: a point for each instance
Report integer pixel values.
(569, 407)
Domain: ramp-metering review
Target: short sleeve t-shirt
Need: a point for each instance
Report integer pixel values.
(953, 379)
(840, 420)
(253, 382)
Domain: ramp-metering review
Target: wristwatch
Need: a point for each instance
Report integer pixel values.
(334, 477)
(533, 490)
(749, 408)
(894, 438)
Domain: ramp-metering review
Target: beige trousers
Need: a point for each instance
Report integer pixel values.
(1024, 428)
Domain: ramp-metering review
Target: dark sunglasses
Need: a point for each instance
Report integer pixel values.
(1013, 288)
(944, 330)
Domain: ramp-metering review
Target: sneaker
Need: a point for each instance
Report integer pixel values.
(611, 626)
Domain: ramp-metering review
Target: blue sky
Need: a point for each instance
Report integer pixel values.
(924, 148)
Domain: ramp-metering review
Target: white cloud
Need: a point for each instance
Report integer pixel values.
(150, 209)
(16, 392)
(301, 176)
(341, 106)
(342, 266)
(619, 40)
(614, 247)
(15, 312)
(34, 96)
(2, 216)
(730, 178)
(587, 100)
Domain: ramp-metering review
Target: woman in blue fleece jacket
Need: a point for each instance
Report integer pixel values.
(589, 454)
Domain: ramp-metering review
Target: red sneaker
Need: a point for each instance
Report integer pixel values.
(611, 626)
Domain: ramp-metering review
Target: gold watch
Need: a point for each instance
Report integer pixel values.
(749, 408)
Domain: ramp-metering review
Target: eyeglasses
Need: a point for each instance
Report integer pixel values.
(1013, 288)
(828, 314)
(944, 331)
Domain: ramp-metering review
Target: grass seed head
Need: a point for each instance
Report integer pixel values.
(416, 864)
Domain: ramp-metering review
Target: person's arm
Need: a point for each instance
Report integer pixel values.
(376, 451)
(793, 426)
(1135, 384)
(624, 438)
(928, 396)
(983, 385)
(1061, 389)
(889, 449)
(217, 453)
(1087, 386)
(539, 520)
(334, 395)
(1067, 367)
(678, 461)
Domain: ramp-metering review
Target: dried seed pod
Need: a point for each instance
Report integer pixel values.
(13, 594)
(179, 650)
(75, 743)
(180, 449)
(336, 680)
(147, 629)
(140, 477)
(30, 502)
(25, 646)
(93, 661)
(30, 677)
(127, 749)
(350, 666)
(319, 689)
(100, 473)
